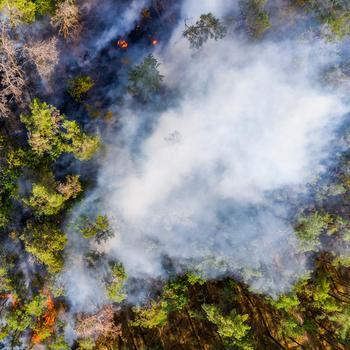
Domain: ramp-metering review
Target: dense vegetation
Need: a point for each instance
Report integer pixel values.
(38, 191)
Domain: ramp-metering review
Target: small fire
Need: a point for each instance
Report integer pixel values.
(123, 44)
(154, 42)
(46, 322)
(36, 339)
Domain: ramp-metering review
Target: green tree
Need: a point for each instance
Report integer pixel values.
(50, 133)
(232, 328)
(79, 86)
(290, 328)
(80, 144)
(256, 18)
(86, 344)
(286, 302)
(5, 281)
(44, 201)
(151, 316)
(207, 27)
(145, 78)
(309, 228)
(59, 344)
(175, 293)
(342, 319)
(25, 316)
(115, 288)
(26, 11)
(340, 26)
(46, 243)
(49, 199)
(99, 229)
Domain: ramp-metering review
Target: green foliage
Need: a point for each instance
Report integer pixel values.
(17, 321)
(37, 306)
(154, 315)
(99, 229)
(232, 328)
(86, 344)
(46, 200)
(46, 243)
(50, 133)
(334, 13)
(175, 294)
(78, 87)
(59, 344)
(343, 259)
(320, 295)
(343, 320)
(309, 228)
(116, 286)
(286, 302)
(22, 157)
(19, 10)
(78, 143)
(290, 328)
(26, 11)
(256, 18)
(9, 175)
(24, 317)
(145, 78)
(194, 278)
(207, 27)
(5, 281)
(340, 26)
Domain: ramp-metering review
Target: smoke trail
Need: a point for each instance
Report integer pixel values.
(203, 186)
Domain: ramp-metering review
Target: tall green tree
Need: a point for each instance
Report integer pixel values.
(50, 133)
(145, 79)
(116, 286)
(207, 27)
(232, 328)
(46, 243)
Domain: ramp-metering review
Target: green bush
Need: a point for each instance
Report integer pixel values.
(78, 87)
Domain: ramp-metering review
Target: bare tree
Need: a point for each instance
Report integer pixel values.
(67, 19)
(44, 54)
(98, 325)
(12, 80)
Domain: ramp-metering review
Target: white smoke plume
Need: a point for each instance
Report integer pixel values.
(200, 187)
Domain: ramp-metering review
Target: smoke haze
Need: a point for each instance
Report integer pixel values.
(202, 185)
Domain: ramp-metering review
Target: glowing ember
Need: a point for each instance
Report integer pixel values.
(123, 44)
(154, 42)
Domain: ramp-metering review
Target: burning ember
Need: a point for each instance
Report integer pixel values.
(123, 44)
(154, 42)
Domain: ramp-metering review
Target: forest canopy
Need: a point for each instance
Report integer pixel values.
(174, 175)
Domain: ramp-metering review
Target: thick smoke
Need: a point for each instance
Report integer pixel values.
(205, 186)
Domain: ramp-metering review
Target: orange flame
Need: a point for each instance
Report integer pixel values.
(50, 315)
(48, 320)
(36, 339)
(154, 42)
(123, 44)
